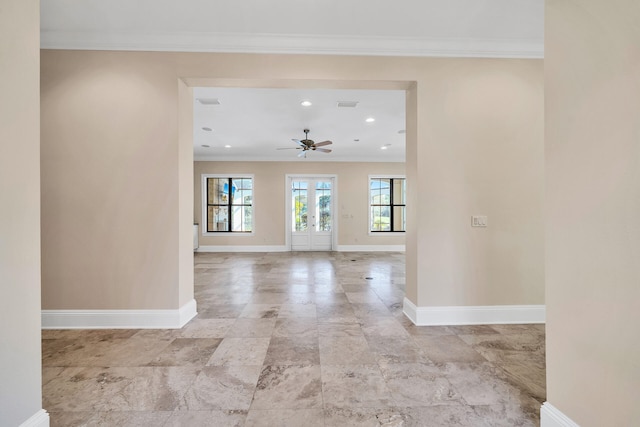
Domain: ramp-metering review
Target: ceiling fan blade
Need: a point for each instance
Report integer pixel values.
(320, 144)
(288, 148)
(300, 143)
(303, 154)
(323, 150)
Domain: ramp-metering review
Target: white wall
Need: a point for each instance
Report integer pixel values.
(592, 144)
(20, 364)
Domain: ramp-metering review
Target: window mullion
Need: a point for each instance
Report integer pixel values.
(390, 205)
(229, 205)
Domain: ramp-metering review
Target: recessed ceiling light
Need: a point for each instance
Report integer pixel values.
(227, 146)
(205, 146)
(370, 120)
(306, 103)
(347, 104)
(207, 129)
(384, 147)
(209, 101)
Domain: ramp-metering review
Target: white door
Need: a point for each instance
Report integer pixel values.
(311, 214)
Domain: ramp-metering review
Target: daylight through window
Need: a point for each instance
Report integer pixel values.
(387, 197)
(229, 204)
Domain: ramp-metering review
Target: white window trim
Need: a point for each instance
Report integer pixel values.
(378, 233)
(203, 218)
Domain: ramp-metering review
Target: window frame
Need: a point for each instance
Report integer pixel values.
(205, 205)
(391, 205)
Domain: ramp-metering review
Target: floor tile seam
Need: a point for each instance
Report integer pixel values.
(519, 383)
(188, 389)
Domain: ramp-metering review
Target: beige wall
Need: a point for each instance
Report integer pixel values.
(109, 182)
(480, 152)
(592, 143)
(20, 364)
(110, 166)
(270, 201)
(185, 192)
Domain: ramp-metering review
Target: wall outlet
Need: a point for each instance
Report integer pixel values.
(478, 221)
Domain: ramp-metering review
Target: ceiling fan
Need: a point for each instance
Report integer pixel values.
(307, 144)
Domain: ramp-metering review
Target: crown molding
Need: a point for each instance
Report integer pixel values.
(294, 44)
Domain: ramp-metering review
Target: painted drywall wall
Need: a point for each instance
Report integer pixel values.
(476, 148)
(351, 212)
(480, 152)
(20, 372)
(109, 182)
(185, 195)
(592, 149)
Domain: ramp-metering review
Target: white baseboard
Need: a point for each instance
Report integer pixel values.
(39, 419)
(550, 416)
(187, 312)
(370, 248)
(474, 315)
(232, 248)
(119, 319)
(275, 248)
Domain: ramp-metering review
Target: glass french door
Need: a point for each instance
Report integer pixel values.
(311, 214)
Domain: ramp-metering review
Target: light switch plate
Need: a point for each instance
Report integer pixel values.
(479, 221)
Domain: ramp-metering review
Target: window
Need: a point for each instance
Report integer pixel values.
(228, 204)
(387, 207)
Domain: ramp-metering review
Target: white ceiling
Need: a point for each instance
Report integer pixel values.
(257, 121)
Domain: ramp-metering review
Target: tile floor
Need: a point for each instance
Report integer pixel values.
(296, 339)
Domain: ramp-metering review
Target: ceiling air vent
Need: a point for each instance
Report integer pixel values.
(347, 104)
(209, 101)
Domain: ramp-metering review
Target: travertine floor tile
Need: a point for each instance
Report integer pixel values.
(288, 387)
(260, 311)
(418, 384)
(285, 418)
(395, 350)
(187, 352)
(296, 327)
(447, 348)
(222, 387)
(383, 326)
(252, 328)
(117, 389)
(480, 383)
(354, 386)
(215, 418)
(240, 352)
(345, 350)
(293, 351)
(297, 339)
